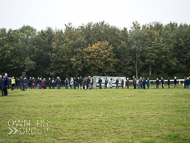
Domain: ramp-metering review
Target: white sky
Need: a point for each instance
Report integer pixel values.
(121, 13)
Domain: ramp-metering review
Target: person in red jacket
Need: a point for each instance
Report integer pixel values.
(9, 83)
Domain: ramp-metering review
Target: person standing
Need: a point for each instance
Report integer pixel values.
(175, 82)
(157, 83)
(30, 83)
(168, 82)
(148, 83)
(106, 82)
(1, 84)
(71, 83)
(111, 83)
(25, 83)
(53, 83)
(91, 82)
(100, 83)
(40, 82)
(134, 82)
(144, 82)
(85, 82)
(127, 83)
(140, 83)
(21, 82)
(80, 83)
(9, 83)
(122, 83)
(162, 82)
(17, 83)
(66, 83)
(13, 83)
(58, 82)
(187, 82)
(43, 84)
(75, 82)
(117, 82)
(184, 82)
(49, 83)
(6, 84)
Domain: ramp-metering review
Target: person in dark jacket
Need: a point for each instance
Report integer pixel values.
(106, 82)
(117, 82)
(58, 82)
(66, 83)
(144, 82)
(134, 82)
(75, 82)
(6, 84)
(122, 83)
(17, 83)
(30, 83)
(25, 81)
(100, 83)
(49, 83)
(21, 82)
(157, 83)
(127, 83)
(89, 85)
(80, 82)
(162, 82)
(1, 84)
(187, 82)
(175, 82)
(168, 82)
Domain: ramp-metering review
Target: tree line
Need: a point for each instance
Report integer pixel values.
(150, 50)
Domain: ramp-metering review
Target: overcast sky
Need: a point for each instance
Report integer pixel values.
(41, 14)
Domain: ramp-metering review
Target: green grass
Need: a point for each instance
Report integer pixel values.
(124, 115)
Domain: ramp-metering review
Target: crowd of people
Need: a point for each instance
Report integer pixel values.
(80, 83)
(143, 82)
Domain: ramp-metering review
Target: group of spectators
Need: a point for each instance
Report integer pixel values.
(142, 82)
(81, 83)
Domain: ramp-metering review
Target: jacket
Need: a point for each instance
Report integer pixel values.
(117, 81)
(6, 81)
(58, 81)
(122, 82)
(134, 81)
(157, 82)
(106, 81)
(71, 82)
(127, 82)
(49, 82)
(168, 81)
(1, 83)
(162, 81)
(100, 80)
(111, 83)
(148, 82)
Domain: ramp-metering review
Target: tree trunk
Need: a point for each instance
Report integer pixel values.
(150, 70)
(136, 68)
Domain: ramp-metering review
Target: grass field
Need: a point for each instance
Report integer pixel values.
(155, 115)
